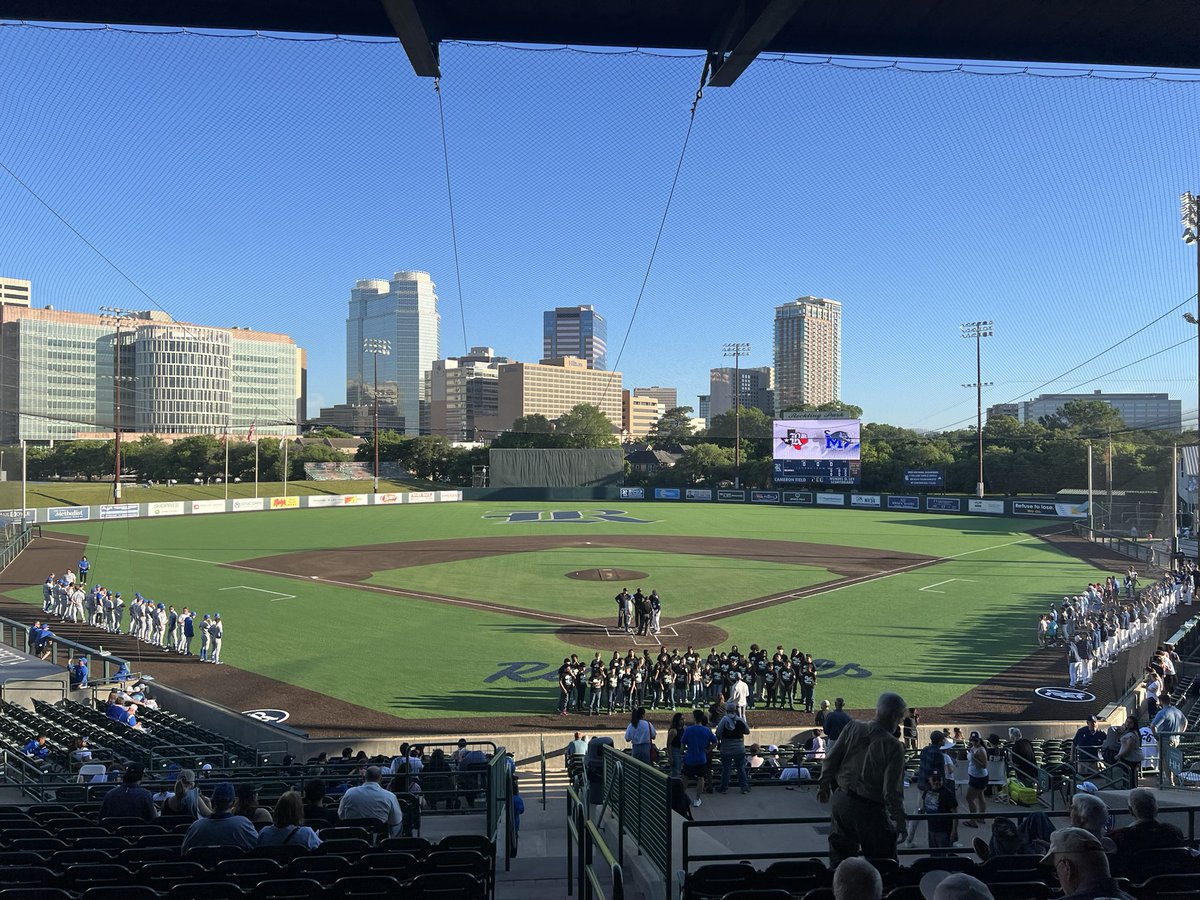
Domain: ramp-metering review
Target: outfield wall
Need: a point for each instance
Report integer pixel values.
(171, 508)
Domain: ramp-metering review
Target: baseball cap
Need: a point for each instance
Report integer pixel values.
(223, 793)
(1092, 719)
(1072, 840)
(936, 737)
(217, 616)
(772, 749)
(942, 885)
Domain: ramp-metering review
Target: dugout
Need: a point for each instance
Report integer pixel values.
(556, 468)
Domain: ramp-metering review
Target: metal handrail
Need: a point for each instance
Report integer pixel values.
(583, 837)
(19, 638)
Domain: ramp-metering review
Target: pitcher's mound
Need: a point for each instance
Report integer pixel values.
(607, 575)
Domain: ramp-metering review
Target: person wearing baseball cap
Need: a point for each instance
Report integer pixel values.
(216, 631)
(222, 828)
(1081, 866)
(942, 885)
(204, 637)
(1088, 740)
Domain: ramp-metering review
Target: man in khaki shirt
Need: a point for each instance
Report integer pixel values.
(866, 766)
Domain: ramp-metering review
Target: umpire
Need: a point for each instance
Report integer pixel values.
(866, 767)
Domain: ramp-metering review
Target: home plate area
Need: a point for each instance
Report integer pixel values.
(642, 640)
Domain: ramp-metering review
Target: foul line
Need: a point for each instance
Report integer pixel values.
(853, 582)
(279, 595)
(354, 585)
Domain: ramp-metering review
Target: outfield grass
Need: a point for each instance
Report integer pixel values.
(417, 658)
(75, 493)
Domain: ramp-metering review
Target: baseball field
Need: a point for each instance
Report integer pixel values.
(459, 610)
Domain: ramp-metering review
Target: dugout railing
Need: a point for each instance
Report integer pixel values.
(16, 541)
(638, 797)
(16, 634)
(585, 877)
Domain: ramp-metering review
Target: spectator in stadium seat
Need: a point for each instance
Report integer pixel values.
(222, 828)
(943, 885)
(185, 799)
(1021, 756)
(370, 800)
(1090, 813)
(857, 879)
(1146, 832)
(247, 805)
(130, 800)
(1081, 866)
(836, 720)
(314, 803)
(287, 825)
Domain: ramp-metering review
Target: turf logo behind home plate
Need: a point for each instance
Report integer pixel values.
(564, 517)
(1065, 695)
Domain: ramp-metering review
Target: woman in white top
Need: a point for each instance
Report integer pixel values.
(640, 734)
(977, 778)
(287, 825)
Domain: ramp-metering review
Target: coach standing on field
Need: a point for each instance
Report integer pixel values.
(865, 772)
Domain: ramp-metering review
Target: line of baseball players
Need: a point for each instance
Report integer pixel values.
(157, 624)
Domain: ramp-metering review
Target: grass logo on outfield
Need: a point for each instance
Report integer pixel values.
(565, 516)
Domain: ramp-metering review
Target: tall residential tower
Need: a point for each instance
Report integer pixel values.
(808, 352)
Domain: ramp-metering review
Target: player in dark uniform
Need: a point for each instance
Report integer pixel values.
(566, 686)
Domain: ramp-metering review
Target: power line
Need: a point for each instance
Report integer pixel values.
(437, 87)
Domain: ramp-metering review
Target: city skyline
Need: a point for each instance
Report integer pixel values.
(918, 199)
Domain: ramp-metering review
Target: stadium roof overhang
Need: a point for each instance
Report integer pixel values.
(1156, 34)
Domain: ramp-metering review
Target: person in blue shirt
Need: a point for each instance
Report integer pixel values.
(37, 748)
(697, 742)
(78, 671)
(122, 673)
(189, 632)
(83, 568)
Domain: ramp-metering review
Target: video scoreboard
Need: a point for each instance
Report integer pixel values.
(817, 451)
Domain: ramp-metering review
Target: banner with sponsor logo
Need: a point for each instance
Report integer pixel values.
(447, 496)
(831, 499)
(247, 504)
(321, 501)
(943, 504)
(765, 496)
(666, 493)
(698, 494)
(119, 511)
(927, 478)
(16, 515)
(200, 507)
(991, 507)
(387, 498)
(285, 503)
(871, 501)
(420, 497)
(732, 496)
(1049, 508)
(798, 497)
(172, 508)
(896, 502)
(68, 514)
(633, 493)
(354, 499)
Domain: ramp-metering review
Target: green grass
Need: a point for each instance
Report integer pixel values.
(416, 658)
(73, 493)
(537, 580)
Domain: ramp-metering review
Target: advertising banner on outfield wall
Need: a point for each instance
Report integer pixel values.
(321, 501)
(68, 514)
(15, 515)
(1048, 508)
(903, 502)
(698, 494)
(248, 504)
(991, 507)
(831, 499)
(200, 507)
(173, 508)
(870, 501)
(119, 511)
(943, 504)
(285, 503)
(387, 498)
(666, 493)
(420, 497)
(765, 496)
(798, 498)
(354, 499)
(918, 478)
(633, 493)
(732, 496)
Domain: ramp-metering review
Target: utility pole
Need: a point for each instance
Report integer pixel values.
(978, 330)
(116, 315)
(737, 351)
(376, 347)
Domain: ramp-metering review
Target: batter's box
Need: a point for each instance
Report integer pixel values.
(643, 640)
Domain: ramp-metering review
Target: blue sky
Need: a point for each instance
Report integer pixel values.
(251, 181)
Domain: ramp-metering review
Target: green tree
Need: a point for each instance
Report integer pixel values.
(330, 432)
(1092, 418)
(705, 464)
(586, 426)
(830, 410)
(673, 427)
(149, 456)
(756, 430)
(197, 456)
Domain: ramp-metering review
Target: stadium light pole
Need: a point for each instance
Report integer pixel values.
(978, 330)
(115, 315)
(376, 347)
(737, 351)
(1189, 214)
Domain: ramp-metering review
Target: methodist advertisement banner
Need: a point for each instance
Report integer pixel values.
(666, 493)
(831, 499)
(68, 514)
(247, 504)
(199, 507)
(798, 497)
(420, 497)
(898, 502)
(732, 496)
(633, 493)
(924, 478)
(1049, 508)
(991, 507)
(943, 504)
(285, 503)
(173, 508)
(869, 501)
(119, 511)
(816, 451)
(698, 494)
(765, 496)
(387, 498)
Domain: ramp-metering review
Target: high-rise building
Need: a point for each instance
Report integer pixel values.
(1150, 411)
(404, 313)
(464, 395)
(59, 373)
(577, 331)
(704, 407)
(667, 396)
(555, 386)
(639, 414)
(756, 386)
(15, 291)
(808, 352)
